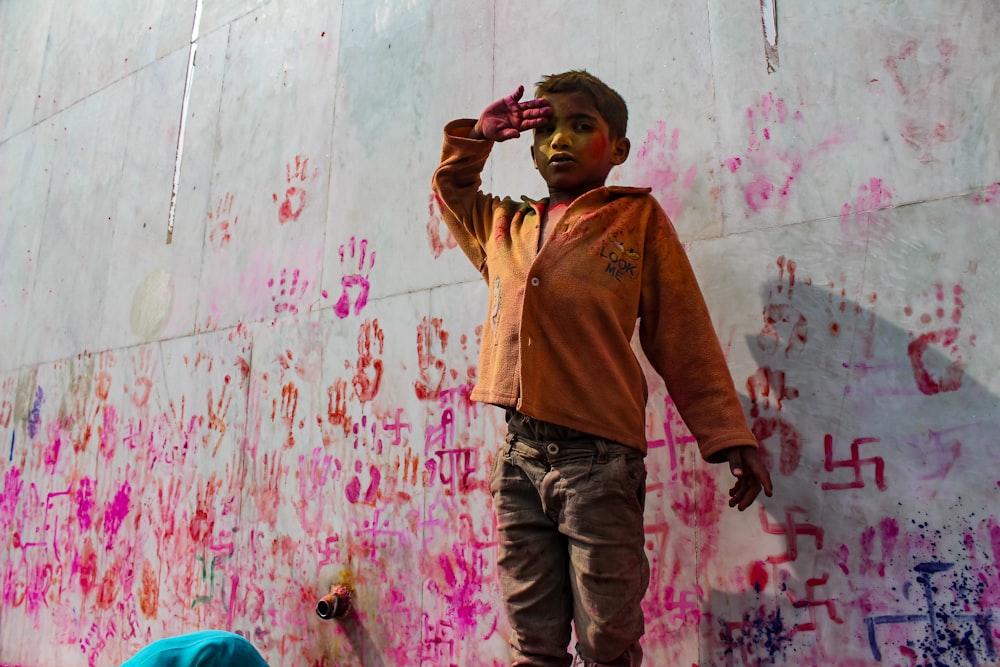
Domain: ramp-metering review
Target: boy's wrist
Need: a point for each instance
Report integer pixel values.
(476, 132)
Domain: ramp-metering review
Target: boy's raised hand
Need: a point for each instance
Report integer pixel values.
(751, 477)
(508, 117)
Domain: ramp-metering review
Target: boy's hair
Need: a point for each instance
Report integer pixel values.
(609, 103)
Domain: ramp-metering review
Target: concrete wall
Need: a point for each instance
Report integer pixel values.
(236, 374)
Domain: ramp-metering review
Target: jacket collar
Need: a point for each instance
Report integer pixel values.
(596, 197)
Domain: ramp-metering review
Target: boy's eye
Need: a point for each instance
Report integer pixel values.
(584, 127)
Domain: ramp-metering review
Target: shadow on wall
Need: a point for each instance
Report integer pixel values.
(880, 443)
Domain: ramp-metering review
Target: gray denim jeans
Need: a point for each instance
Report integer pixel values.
(569, 517)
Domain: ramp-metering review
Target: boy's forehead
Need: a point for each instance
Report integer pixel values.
(572, 103)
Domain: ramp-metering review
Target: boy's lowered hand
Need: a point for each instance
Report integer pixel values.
(751, 477)
(507, 117)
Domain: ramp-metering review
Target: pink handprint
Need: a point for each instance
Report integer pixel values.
(350, 252)
(287, 290)
(919, 77)
(661, 169)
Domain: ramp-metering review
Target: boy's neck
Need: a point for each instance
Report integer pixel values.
(557, 196)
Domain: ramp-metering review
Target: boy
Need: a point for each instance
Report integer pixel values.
(568, 277)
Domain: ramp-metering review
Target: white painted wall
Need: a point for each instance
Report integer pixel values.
(210, 432)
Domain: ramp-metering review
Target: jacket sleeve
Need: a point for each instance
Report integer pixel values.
(679, 339)
(456, 182)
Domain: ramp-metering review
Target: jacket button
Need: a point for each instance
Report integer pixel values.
(535, 281)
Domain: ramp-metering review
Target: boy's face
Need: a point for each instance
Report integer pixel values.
(574, 151)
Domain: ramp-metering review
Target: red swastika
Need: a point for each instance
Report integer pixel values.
(791, 530)
(855, 463)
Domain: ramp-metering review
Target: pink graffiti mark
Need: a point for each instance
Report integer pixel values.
(459, 399)
(51, 452)
(463, 582)
(12, 487)
(888, 531)
(47, 534)
(774, 168)
(429, 526)
(115, 512)
(295, 196)
(376, 529)
(812, 604)
(456, 466)
(676, 434)
(871, 198)
(939, 449)
(353, 489)
(396, 425)
(919, 77)
(439, 240)
(361, 430)
(441, 435)
(990, 195)
(683, 607)
(987, 533)
(287, 291)
(108, 432)
(661, 168)
(438, 645)
(928, 373)
(354, 282)
(791, 529)
(855, 462)
(329, 549)
(85, 503)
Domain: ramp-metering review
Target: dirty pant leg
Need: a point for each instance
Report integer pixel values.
(533, 564)
(609, 571)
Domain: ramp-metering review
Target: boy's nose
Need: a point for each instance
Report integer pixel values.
(560, 139)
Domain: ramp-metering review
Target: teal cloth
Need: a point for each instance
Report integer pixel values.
(198, 649)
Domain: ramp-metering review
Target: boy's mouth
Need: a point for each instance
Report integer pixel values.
(561, 157)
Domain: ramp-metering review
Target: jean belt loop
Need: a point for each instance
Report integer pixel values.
(509, 440)
(602, 450)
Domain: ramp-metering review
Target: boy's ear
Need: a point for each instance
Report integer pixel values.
(619, 150)
(533, 163)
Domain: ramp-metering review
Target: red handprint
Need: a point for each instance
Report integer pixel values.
(295, 196)
(368, 369)
(931, 375)
(223, 222)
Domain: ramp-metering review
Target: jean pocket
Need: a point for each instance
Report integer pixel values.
(491, 475)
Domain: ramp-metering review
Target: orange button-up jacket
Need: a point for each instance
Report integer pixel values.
(556, 342)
